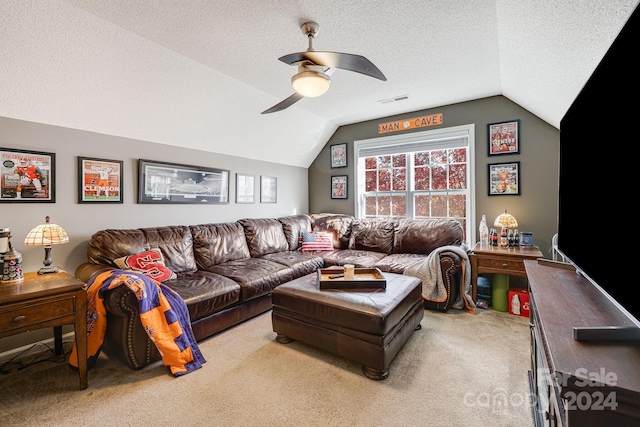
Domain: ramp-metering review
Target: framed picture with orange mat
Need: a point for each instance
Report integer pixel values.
(99, 180)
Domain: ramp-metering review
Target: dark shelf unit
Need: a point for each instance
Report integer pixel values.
(578, 383)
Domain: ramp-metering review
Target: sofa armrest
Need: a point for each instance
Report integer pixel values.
(87, 271)
(451, 267)
(125, 337)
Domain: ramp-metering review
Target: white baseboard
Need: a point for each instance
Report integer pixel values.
(33, 348)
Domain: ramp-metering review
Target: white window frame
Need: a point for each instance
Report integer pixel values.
(425, 140)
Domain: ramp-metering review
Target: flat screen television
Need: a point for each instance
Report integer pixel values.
(598, 177)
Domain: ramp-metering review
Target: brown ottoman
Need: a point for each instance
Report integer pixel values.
(366, 327)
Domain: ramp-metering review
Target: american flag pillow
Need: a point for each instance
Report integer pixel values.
(314, 241)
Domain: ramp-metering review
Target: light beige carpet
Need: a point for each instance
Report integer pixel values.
(459, 370)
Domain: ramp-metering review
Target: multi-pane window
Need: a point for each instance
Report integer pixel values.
(415, 179)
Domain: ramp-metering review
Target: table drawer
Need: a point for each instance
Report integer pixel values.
(501, 264)
(21, 315)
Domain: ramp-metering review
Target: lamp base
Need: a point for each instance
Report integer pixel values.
(48, 269)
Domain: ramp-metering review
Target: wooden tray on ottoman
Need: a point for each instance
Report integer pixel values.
(364, 278)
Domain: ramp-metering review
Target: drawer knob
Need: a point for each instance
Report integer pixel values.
(505, 265)
(19, 318)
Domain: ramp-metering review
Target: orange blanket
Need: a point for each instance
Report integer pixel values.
(163, 314)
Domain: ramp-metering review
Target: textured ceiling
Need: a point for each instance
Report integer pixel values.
(197, 73)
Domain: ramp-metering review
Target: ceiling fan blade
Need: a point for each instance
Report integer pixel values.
(345, 61)
(286, 103)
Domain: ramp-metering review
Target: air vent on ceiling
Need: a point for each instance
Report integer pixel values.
(394, 99)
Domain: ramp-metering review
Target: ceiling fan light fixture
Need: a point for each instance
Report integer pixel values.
(310, 83)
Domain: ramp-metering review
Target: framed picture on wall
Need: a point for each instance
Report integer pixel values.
(339, 187)
(268, 189)
(245, 188)
(339, 155)
(504, 179)
(162, 182)
(27, 176)
(504, 137)
(99, 180)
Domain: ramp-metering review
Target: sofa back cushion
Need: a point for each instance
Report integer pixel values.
(105, 246)
(215, 244)
(339, 225)
(421, 236)
(374, 235)
(264, 236)
(292, 226)
(176, 244)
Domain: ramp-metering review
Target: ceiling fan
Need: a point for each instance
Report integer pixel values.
(314, 69)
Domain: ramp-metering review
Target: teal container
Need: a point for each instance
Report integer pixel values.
(499, 290)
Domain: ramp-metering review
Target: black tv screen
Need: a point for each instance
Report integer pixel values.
(598, 173)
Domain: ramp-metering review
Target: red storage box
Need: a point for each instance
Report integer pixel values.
(518, 301)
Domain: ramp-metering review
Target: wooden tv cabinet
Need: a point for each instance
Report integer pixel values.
(578, 383)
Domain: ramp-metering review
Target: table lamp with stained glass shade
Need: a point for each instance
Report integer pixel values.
(505, 220)
(47, 234)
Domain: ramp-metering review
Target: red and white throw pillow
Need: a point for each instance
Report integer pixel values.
(150, 263)
(314, 241)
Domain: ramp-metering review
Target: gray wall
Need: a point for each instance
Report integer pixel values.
(299, 190)
(535, 208)
(82, 220)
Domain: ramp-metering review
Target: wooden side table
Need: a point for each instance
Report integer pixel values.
(47, 300)
(499, 260)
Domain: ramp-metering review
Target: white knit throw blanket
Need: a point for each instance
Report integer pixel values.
(430, 272)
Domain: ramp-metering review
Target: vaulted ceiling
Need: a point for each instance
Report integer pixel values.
(198, 73)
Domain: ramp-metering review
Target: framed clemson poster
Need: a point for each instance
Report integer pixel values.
(504, 137)
(339, 155)
(504, 179)
(339, 187)
(99, 180)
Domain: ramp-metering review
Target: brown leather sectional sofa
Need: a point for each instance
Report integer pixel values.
(226, 272)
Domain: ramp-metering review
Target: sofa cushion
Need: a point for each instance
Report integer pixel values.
(218, 243)
(398, 263)
(292, 226)
(256, 276)
(176, 244)
(351, 256)
(339, 225)
(150, 263)
(264, 236)
(374, 235)
(107, 245)
(301, 263)
(204, 292)
(422, 236)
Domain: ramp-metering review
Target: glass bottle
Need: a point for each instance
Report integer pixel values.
(503, 238)
(484, 231)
